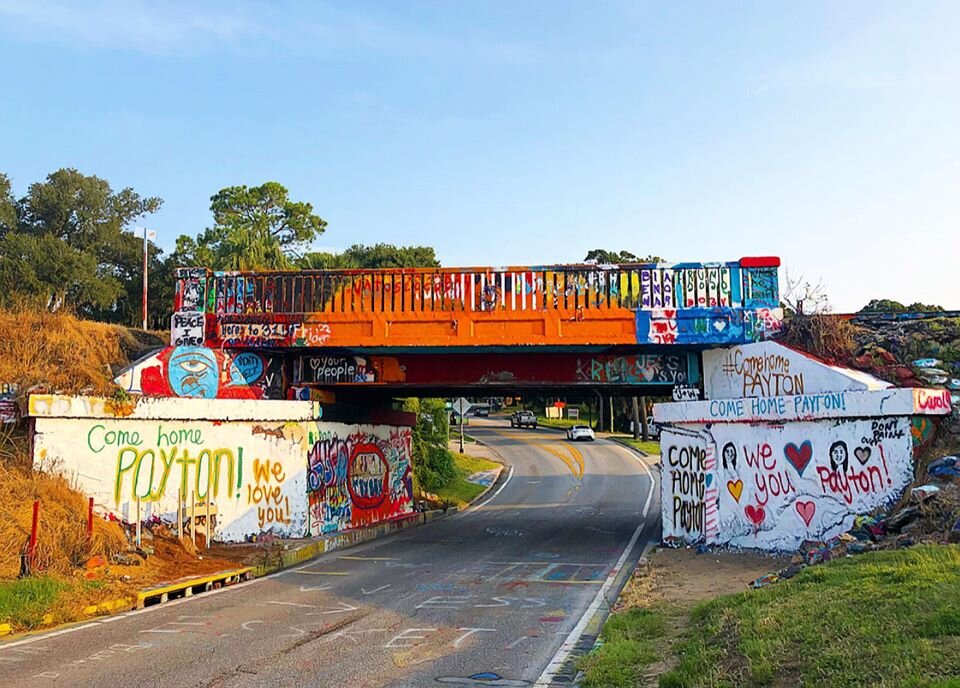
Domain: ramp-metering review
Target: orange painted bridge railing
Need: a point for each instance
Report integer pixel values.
(684, 303)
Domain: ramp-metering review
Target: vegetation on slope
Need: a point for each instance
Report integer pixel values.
(889, 618)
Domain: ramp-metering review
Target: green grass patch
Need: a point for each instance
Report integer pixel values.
(560, 423)
(24, 602)
(882, 619)
(630, 644)
(648, 447)
(460, 491)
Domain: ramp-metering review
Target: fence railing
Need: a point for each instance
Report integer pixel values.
(749, 283)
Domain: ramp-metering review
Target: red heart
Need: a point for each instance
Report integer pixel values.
(755, 514)
(800, 456)
(806, 511)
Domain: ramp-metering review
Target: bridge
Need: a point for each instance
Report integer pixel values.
(282, 333)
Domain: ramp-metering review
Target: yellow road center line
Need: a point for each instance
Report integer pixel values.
(575, 464)
(325, 573)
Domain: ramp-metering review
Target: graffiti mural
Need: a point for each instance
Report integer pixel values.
(335, 369)
(690, 489)
(768, 369)
(781, 484)
(9, 411)
(358, 475)
(274, 334)
(682, 303)
(632, 369)
(255, 482)
(203, 373)
(701, 325)
(187, 329)
(290, 478)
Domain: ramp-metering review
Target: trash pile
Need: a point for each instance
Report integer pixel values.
(930, 516)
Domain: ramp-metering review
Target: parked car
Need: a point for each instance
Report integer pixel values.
(523, 419)
(581, 432)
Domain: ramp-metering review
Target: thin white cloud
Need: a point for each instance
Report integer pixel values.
(315, 28)
(153, 28)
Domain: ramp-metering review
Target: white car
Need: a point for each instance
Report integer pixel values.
(580, 432)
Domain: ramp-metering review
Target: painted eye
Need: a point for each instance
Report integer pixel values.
(194, 365)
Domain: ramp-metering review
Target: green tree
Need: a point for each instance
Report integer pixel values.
(69, 246)
(376, 256)
(8, 206)
(255, 228)
(605, 257)
(49, 272)
(433, 466)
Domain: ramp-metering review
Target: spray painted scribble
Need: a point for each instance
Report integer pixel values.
(200, 372)
(358, 477)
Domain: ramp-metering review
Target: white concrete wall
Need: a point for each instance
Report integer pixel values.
(768, 369)
(255, 471)
(774, 486)
(863, 404)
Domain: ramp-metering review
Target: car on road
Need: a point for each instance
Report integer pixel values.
(581, 432)
(523, 419)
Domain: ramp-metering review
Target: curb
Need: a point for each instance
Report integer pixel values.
(196, 585)
(630, 447)
(347, 539)
(108, 607)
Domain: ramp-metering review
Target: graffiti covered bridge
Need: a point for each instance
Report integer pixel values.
(280, 334)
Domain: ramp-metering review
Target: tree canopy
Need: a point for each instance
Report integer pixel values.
(376, 256)
(254, 228)
(891, 306)
(605, 257)
(66, 244)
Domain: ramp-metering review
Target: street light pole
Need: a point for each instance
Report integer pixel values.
(144, 278)
(146, 233)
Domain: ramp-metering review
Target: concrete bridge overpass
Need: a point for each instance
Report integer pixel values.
(405, 331)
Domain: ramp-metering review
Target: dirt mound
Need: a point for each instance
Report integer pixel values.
(62, 543)
(58, 352)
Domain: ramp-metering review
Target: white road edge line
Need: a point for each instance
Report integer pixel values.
(172, 603)
(560, 658)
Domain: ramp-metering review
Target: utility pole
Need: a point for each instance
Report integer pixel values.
(611, 413)
(147, 234)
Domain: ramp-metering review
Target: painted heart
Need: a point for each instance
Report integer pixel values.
(799, 457)
(806, 511)
(755, 514)
(719, 325)
(735, 488)
(862, 454)
(709, 479)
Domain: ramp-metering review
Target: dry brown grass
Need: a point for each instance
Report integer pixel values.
(60, 352)
(62, 544)
(822, 334)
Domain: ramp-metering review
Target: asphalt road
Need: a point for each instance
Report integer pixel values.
(498, 593)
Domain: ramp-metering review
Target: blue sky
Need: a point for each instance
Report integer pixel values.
(521, 132)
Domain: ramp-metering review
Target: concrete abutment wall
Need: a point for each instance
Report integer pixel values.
(756, 465)
(265, 466)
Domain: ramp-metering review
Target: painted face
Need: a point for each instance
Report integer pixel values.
(729, 455)
(192, 372)
(838, 456)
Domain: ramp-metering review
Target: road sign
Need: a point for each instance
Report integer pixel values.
(461, 406)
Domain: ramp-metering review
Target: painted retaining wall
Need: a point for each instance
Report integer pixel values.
(265, 466)
(750, 468)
